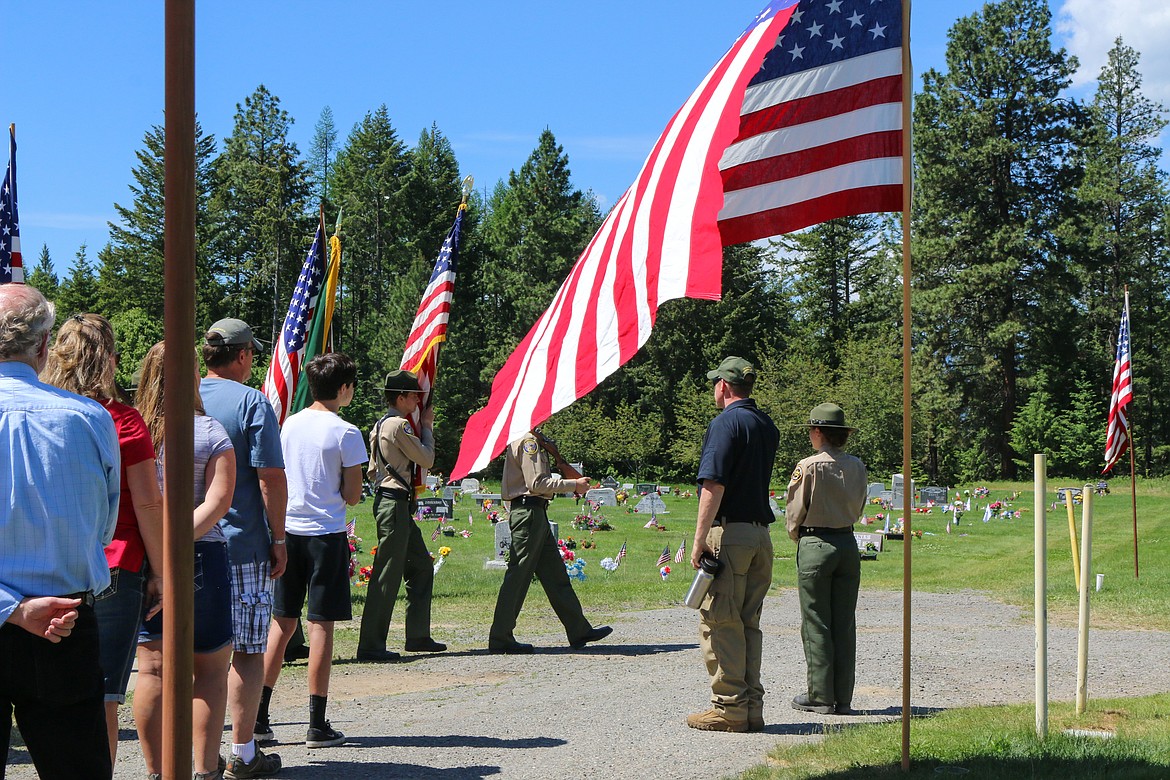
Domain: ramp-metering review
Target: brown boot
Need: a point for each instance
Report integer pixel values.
(755, 720)
(714, 720)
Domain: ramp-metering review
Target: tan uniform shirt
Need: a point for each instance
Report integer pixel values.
(527, 471)
(399, 447)
(827, 490)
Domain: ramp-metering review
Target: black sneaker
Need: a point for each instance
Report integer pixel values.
(323, 737)
(261, 765)
(425, 645)
(263, 732)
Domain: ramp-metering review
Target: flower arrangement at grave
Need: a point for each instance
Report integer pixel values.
(568, 544)
(364, 574)
(664, 572)
(576, 569)
(609, 564)
(591, 520)
(870, 552)
(487, 505)
(494, 517)
(443, 553)
(588, 544)
(565, 551)
(355, 547)
(622, 496)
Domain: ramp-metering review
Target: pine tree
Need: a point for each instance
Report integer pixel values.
(42, 276)
(78, 293)
(994, 149)
(321, 155)
(261, 200)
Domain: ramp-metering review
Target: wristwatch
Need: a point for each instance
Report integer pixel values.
(279, 541)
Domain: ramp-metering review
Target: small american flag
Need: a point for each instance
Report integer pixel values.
(11, 265)
(816, 135)
(665, 557)
(682, 551)
(621, 554)
(284, 372)
(1117, 430)
(438, 530)
(351, 527)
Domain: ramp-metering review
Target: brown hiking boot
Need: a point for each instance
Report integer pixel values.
(714, 720)
(756, 721)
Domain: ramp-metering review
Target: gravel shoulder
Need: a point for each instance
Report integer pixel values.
(616, 710)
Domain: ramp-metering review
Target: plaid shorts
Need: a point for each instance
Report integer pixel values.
(251, 606)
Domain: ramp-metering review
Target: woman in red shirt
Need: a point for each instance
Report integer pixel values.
(83, 361)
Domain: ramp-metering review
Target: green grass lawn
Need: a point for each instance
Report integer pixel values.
(994, 557)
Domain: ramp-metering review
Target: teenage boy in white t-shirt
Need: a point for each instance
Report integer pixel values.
(323, 457)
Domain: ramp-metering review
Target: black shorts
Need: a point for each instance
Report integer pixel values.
(318, 565)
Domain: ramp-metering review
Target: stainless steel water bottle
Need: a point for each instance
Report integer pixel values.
(709, 566)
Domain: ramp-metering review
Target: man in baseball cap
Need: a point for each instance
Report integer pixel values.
(232, 333)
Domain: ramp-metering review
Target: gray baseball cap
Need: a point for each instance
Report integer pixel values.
(232, 333)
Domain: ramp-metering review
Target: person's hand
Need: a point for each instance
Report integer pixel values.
(278, 557)
(48, 617)
(154, 595)
(581, 485)
(697, 549)
(426, 417)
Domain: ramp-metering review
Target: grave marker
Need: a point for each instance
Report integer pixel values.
(503, 544)
(440, 507)
(469, 485)
(875, 490)
(938, 495)
(643, 488)
(603, 496)
(449, 493)
(432, 481)
(609, 482)
(652, 503)
(496, 499)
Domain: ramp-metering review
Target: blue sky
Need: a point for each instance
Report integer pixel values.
(84, 81)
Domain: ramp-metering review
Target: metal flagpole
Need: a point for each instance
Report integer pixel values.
(179, 404)
(907, 480)
(1129, 435)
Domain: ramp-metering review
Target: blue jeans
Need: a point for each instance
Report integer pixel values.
(213, 601)
(120, 609)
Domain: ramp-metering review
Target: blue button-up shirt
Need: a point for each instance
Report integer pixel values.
(59, 469)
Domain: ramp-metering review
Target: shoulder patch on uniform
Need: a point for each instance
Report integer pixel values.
(406, 427)
(530, 447)
(797, 475)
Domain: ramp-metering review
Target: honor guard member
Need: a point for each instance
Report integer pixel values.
(735, 468)
(395, 448)
(528, 485)
(825, 496)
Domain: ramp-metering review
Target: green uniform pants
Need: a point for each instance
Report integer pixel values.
(534, 551)
(401, 554)
(829, 573)
(729, 618)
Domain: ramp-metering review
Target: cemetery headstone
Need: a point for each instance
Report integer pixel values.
(449, 493)
(875, 490)
(897, 483)
(868, 544)
(643, 488)
(503, 542)
(627, 486)
(609, 482)
(495, 498)
(936, 494)
(775, 507)
(652, 503)
(440, 507)
(432, 481)
(603, 496)
(469, 485)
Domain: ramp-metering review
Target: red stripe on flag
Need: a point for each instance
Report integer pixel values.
(866, 147)
(860, 201)
(821, 106)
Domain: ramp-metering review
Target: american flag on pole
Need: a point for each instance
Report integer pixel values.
(284, 372)
(1117, 430)
(682, 551)
(11, 265)
(429, 329)
(815, 135)
(665, 557)
(621, 554)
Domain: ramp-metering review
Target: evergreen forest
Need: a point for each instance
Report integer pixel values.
(1033, 212)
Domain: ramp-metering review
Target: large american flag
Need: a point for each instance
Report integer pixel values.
(284, 372)
(1117, 430)
(11, 265)
(816, 135)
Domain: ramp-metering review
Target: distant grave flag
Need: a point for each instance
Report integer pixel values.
(799, 122)
(682, 551)
(1117, 429)
(665, 557)
(11, 264)
(292, 348)
(621, 554)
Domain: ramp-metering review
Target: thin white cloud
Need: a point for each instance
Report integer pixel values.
(1088, 29)
(57, 221)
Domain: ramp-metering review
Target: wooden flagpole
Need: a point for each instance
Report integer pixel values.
(907, 480)
(179, 404)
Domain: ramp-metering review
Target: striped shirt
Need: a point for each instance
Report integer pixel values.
(61, 476)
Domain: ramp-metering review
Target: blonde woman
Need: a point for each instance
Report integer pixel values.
(215, 479)
(83, 360)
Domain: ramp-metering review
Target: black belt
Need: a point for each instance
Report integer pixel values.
(402, 495)
(810, 531)
(719, 522)
(533, 501)
(86, 597)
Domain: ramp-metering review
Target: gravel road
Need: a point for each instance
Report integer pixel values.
(616, 710)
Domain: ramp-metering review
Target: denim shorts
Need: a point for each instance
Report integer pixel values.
(119, 609)
(213, 601)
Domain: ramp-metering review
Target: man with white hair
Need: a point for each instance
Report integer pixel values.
(61, 474)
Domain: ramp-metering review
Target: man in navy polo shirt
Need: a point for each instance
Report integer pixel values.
(735, 467)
